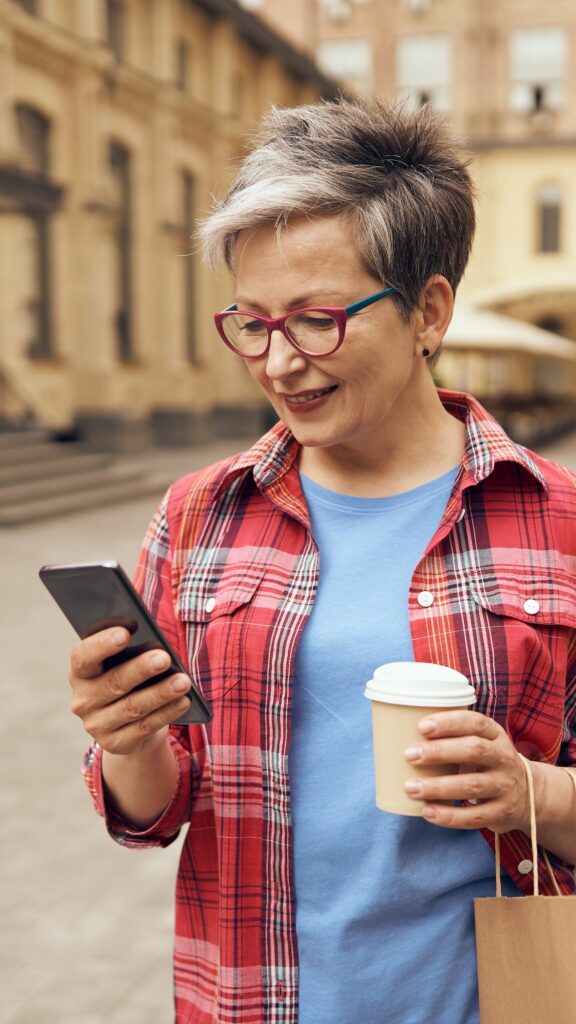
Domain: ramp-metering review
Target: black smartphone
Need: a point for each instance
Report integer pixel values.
(98, 595)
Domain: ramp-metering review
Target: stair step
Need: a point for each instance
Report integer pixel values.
(21, 454)
(86, 480)
(30, 511)
(23, 438)
(76, 462)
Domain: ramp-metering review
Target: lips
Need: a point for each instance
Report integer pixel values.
(308, 396)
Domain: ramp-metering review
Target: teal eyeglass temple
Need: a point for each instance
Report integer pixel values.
(355, 307)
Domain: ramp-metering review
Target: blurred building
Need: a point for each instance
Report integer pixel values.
(118, 120)
(504, 71)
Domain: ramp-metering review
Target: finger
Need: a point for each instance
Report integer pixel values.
(492, 814)
(107, 718)
(88, 656)
(459, 723)
(122, 678)
(470, 788)
(459, 750)
(130, 737)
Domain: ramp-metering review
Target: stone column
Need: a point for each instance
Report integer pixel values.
(8, 133)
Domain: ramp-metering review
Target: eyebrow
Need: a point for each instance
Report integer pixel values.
(300, 302)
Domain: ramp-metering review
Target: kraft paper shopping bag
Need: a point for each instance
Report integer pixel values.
(526, 951)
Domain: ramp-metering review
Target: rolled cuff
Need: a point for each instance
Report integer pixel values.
(165, 829)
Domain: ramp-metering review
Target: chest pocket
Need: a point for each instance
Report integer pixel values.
(222, 615)
(522, 620)
(533, 599)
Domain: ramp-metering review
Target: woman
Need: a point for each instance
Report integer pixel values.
(379, 520)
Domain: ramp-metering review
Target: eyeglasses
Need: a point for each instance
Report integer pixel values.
(317, 331)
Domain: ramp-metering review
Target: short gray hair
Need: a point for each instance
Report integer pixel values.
(396, 175)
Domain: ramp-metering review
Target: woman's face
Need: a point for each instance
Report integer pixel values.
(353, 397)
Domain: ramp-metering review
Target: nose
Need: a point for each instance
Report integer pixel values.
(283, 359)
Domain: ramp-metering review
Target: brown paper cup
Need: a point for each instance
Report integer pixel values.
(402, 693)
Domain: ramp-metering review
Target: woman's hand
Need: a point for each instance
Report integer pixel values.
(491, 775)
(120, 721)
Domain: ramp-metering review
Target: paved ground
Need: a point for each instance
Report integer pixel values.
(86, 925)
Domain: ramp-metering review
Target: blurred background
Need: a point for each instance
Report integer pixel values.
(119, 120)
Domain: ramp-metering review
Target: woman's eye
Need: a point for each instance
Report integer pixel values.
(318, 322)
(253, 327)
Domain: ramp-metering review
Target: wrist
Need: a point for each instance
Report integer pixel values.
(553, 794)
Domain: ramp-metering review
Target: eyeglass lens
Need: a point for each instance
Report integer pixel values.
(313, 331)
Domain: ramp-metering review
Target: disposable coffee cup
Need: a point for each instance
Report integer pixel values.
(402, 693)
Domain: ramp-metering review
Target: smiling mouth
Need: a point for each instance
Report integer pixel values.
(309, 396)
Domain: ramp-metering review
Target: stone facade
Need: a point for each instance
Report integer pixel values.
(118, 121)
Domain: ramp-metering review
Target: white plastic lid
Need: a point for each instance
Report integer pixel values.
(419, 684)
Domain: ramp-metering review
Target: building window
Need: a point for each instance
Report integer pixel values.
(349, 59)
(183, 65)
(33, 139)
(116, 27)
(424, 70)
(538, 60)
(549, 209)
(188, 204)
(34, 156)
(121, 177)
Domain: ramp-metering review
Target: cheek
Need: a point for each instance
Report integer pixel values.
(257, 371)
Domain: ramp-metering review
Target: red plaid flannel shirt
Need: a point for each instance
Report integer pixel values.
(229, 569)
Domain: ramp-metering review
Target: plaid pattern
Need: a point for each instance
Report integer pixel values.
(229, 569)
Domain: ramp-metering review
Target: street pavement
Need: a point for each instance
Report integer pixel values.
(86, 924)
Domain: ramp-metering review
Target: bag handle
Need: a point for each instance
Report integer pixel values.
(533, 840)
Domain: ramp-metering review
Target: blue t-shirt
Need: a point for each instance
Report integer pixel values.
(384, 903)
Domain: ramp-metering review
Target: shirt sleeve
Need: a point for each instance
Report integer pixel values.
(568, 749)
(153, 580)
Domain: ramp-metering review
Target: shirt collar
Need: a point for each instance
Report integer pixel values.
(487, 444)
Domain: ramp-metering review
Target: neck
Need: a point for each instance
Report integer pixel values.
(411, 450)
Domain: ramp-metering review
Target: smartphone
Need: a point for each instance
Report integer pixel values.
(97, 595)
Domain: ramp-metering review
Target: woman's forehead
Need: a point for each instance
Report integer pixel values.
(320, 245)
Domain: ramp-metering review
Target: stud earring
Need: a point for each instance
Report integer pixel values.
(425, 353)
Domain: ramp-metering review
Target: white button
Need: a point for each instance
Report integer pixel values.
(461, 516)
(531, 607)
(210, 605)
(525, 867)
(425, 599)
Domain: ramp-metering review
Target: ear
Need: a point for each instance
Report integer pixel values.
(434, 314)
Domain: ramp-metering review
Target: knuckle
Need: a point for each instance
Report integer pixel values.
(478, 748)
(78, 705)
(115, 685)
(146, 726)
(507, 812)
(133, 706)
(112, 743)
(77, 662)
(474, 788)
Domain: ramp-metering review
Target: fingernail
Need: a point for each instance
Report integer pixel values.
(119, 638)
(413, 787)
(180, 684)
(427, 725)
(413, 753)
(429, 812)
(159, 660)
